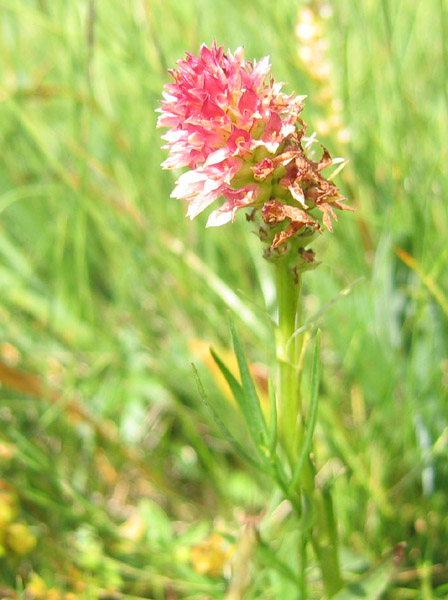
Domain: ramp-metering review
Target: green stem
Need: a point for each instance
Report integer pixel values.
(291, 426)
(325, 542)
(288, 352)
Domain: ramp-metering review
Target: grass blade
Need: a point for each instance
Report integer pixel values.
(427, 280)
(272, 419)
(373, 584)
(219, 287)
(272, 561)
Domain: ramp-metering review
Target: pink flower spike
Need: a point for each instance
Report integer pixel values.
(240, 137)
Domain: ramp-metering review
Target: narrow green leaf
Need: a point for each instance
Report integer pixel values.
(224, 430)
(234, 385)
(373, 584)
(241, 400)
(253, 412)
(272, 561)
(308, 515)
(312, 417)
(272, 419)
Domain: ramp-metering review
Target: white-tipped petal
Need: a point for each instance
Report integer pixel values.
(200, 203)
(218, 218)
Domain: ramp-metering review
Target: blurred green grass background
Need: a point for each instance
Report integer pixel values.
(110, 466)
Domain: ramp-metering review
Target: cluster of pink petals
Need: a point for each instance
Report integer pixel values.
(234, 129)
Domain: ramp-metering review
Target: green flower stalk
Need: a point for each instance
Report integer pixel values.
(242, 140)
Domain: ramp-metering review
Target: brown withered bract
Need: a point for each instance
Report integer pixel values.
(307, 186)
(275, 212)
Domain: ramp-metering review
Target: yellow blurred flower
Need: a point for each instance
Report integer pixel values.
(7, 513)
(54, 594)
(134, 528)
(9, 504)
(2, 546)
(211, 556)
(9, 353)
(36, 588)
(6, 451)
(19, 538)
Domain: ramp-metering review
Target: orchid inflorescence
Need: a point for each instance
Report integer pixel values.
(242, 138)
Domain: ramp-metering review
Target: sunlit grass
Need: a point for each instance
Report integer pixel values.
(105, 287)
